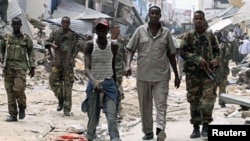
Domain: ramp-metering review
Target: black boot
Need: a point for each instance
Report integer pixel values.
(148, 136)
(196, 132)
(161, 135)
(60, 106)
(11, 118)
(204, 130)
(21, 114)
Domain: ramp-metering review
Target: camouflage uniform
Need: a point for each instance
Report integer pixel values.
(16, 65)
(61, 77)
(223, 70)
(119, 65)
(3, 10)
(200, 88)
(236, 53)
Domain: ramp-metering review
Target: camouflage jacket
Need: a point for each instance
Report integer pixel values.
(17, 51)
(194, 45)
(67, 48)
(119, 60)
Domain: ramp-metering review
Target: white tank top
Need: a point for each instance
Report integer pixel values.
(101, 62)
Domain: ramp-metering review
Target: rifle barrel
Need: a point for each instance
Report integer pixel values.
(212, 76)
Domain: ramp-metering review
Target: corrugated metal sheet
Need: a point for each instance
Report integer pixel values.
(127, 2)
(221, 24)
(80, 26)
(230, 11)
(243, 13)
(15, 11)
(76, 11)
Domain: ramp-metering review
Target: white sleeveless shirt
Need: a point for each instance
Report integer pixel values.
(101, 61)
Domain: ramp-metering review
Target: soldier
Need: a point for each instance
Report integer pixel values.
(3, 10)
(223, 69)
(99, 57)
(61, 79)
(200, 50)
(119, 62)
(14, 50)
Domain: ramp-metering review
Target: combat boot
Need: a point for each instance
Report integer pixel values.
(60, 106)
(196, 132)
(66, 113)
(148, 136)
(204, 130)
(21, 114)
(11, 118)
(161, 135)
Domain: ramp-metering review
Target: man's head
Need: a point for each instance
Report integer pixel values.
(101, 27)
(65, 22)
(154, 13)
(199, 19)
(16, 24)
(115, 30)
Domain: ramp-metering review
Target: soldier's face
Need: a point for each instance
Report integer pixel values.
(115, 30)
(65, 23)
(16, 25)
(199, 20)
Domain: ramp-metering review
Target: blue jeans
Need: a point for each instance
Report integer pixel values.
(109, 108)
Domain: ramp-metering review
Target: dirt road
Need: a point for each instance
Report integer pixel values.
(44, 123)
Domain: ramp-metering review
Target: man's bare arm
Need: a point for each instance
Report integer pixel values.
(87, 50)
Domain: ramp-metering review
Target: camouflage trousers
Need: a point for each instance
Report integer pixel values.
(222, 72)
(15, 84)
(61, 82)
(119, 89)
(201, 96)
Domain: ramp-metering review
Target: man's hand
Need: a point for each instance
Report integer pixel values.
(97, 86)
(177, 82)
(203, 64)
(214, 63)
(32, 72)
(53, 45)
(127, 71)
(49, 44)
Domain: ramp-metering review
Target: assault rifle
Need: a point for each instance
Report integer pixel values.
(211, 75)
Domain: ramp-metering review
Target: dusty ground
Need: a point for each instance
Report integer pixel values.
(41, 112)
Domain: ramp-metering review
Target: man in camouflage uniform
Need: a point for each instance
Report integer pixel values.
(201, 52)
(61, 79)
(3, 10)
(119, 62)
(14, 50)
(223, 70)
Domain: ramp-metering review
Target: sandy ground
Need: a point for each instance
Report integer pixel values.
(41, 114)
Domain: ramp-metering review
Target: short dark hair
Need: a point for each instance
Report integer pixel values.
(200, 12)
(16, 19)
(154, 6)
(113, 24)
(66, 18)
